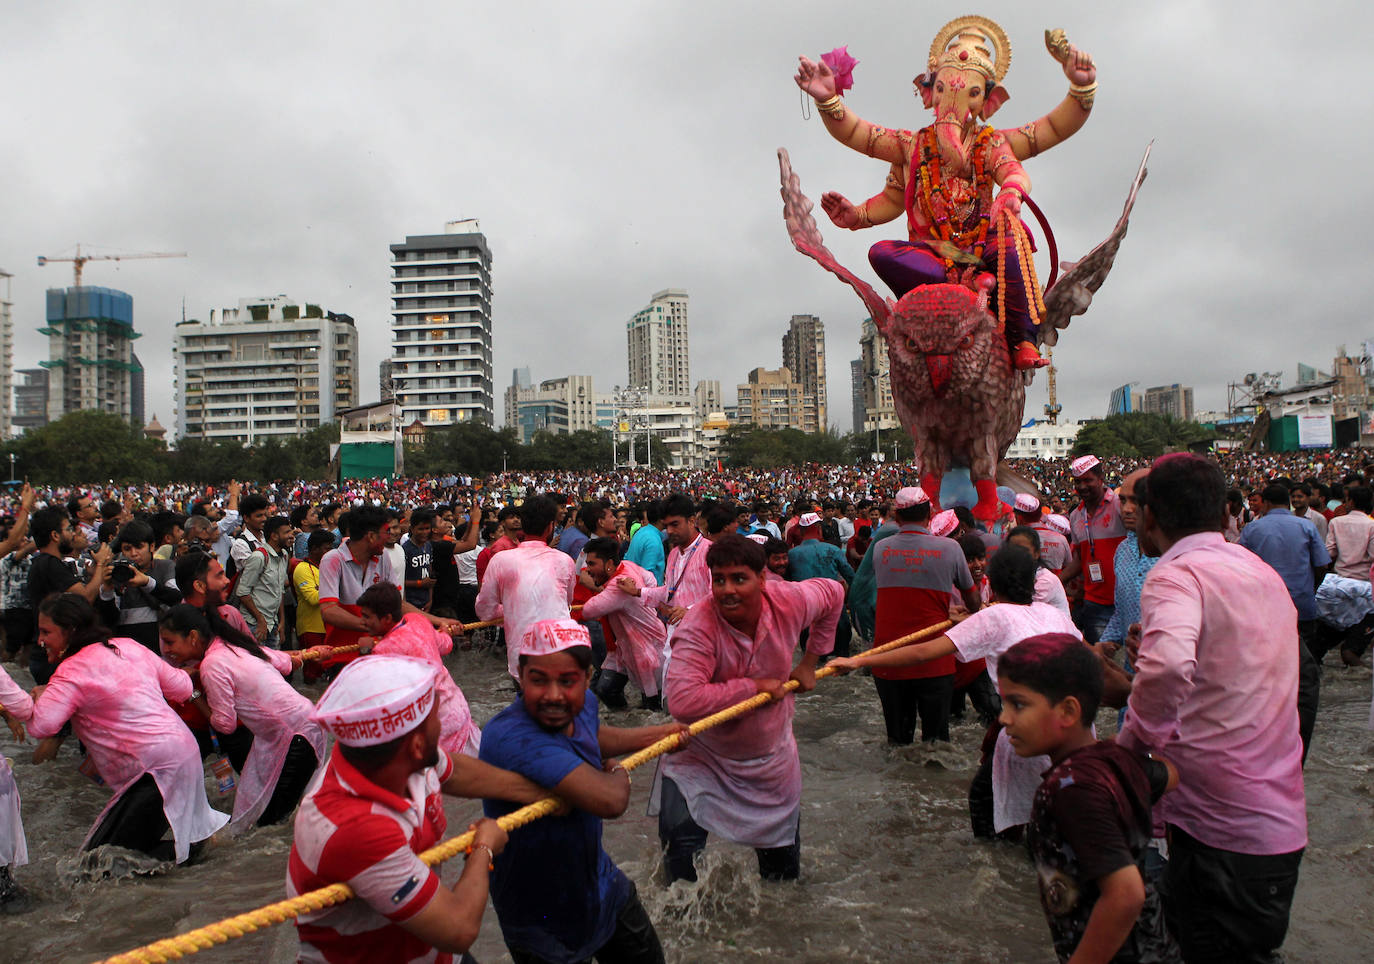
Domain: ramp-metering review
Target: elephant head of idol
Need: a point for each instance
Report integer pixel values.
(962, 84)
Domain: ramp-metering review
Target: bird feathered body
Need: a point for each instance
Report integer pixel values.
(953, 383)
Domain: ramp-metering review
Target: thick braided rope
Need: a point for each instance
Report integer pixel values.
(324, 651)
(220, 932)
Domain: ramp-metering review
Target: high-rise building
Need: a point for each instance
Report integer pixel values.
(803, 354)
(557, 405)
(774, 399)
(90, 351)
(656, 340)
(137, 391)
(1174, 400)
(1123, 400)
(706, 398)
(31, 399)
(879, 411)
(6, 360)
(269, 367)
(441, 342)
(856, 392)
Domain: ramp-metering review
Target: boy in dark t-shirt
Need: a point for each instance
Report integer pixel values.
(1090, 822)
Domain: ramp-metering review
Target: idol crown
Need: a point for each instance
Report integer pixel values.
(972, 43)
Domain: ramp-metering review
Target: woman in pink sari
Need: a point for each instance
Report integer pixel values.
(115, 692)
(245, 683)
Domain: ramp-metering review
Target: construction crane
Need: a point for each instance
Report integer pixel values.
(79, 260)
(1053, 409)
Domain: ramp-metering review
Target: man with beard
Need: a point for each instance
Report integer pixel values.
(581, 906)
(742, 779)
(376, 807)
(1096, 531)
(639, 633)
(687, 581)
(49, 573)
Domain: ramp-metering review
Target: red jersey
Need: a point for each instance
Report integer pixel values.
(915, 572)
(1096, 535)
(350, 830)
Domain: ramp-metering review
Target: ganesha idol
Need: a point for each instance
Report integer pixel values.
(965, 329)
(957, 179)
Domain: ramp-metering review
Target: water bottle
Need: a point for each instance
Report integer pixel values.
(222, 769)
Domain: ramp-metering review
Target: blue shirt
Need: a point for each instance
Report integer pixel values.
(646, 551)
(1293, 548)
(815, 559)
(555, 890)
(572, 542)
(1131, 568)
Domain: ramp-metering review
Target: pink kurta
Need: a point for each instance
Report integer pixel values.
(687, 579)
(241, 688)
(1216, 693)
(117, 702)
(14, 851)
(416, 636)
(639, 633)
(742, 779)
(522, 586)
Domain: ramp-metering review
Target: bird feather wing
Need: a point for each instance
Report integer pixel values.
(1073, 292)
(806, 238)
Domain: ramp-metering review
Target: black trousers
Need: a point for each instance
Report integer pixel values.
(634, 942)
(18, 630)
(683, 838)
(1227, 908)
(1309, 683)
(296, 771)
(904, 700)
(136, 821)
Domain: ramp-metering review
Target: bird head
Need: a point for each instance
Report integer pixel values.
(943, 337)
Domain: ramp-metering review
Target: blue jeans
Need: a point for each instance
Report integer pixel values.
(1092, 619)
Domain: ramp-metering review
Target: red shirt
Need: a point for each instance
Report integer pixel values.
(915, 572)
(350, 830)
(1096, 535)
(484, 557)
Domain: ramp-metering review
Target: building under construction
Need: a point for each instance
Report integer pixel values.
(91, 362)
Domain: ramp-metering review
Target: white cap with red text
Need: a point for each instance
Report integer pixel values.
(1058, 523)
(550, 636)
(1082, 465)
(944, 523)
(1027, 503)
(909, 496)
(377, 699)
(809, 519)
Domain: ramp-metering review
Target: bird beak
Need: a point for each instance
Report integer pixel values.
(939, 368)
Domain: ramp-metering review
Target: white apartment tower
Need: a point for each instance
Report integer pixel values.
(441, 326)
(803, 354)
(657, 345)
(269, 367)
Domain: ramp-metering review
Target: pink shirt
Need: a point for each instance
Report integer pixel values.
(686, 579)
(14, 699)
(524, 585)
(1216, 693)
(415, 636)
(742, 779)
(117, 702)
(639, 633)
(1350, 543)
(241, 688)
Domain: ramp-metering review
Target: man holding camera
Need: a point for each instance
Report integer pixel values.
(138, 586)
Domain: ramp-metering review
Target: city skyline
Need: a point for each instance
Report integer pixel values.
(681, 190)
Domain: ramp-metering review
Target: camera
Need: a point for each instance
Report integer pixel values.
(121, 571)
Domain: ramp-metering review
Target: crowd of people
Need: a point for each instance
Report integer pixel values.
(167, 627)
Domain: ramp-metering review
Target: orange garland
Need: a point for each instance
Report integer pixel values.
(933, 187)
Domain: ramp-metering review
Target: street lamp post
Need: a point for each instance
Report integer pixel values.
(503, 463)
(876, 376)
(11, 465)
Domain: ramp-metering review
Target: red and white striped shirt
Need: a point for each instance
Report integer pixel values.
(350, 830)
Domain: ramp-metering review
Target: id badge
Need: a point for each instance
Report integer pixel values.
(1095, 571)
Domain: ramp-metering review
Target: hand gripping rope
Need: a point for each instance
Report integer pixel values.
(202, 938)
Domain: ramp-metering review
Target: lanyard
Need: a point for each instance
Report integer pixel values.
(682, 568)
(1088, 518)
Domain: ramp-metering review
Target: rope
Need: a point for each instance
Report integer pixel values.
(325, 652)
(220, 932)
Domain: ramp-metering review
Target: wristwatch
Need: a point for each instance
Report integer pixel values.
(196, 694)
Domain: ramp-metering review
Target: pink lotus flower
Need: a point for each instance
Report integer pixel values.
(842, 66)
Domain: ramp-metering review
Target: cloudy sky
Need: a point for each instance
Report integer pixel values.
(614, 149)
